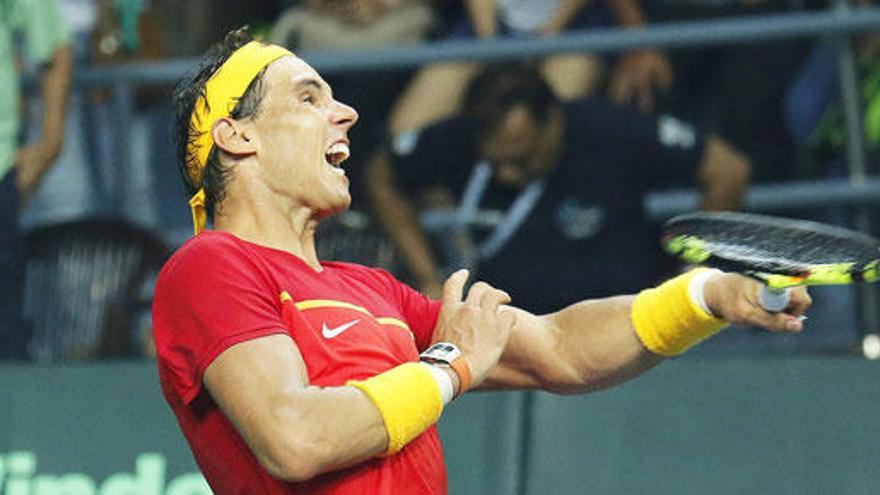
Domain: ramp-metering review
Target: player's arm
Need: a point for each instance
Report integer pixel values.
(587, 346)
(297, 430)
(595, 344)
(399, 218)
(723, 175)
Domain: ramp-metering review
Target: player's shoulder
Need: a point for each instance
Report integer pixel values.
(208, 243)
(208, 248)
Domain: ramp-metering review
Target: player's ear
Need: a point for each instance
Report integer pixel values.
(233, 137)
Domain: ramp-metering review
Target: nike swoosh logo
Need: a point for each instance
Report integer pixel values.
(330, 333)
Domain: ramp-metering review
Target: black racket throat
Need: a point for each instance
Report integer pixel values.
(749, 270)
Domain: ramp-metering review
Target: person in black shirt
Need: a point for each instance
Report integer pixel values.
(562, 185)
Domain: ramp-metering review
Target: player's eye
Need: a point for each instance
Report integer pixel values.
(310, 97)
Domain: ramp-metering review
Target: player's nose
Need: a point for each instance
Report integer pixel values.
(344, 115)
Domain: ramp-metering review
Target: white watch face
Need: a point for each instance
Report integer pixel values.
(442, 351)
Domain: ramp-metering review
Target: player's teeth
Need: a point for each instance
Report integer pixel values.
(339, 148)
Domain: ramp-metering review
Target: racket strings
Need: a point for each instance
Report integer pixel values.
(774, 246)
(762, 245)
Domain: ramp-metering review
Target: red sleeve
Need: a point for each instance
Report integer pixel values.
(211, 295)
(419, 311)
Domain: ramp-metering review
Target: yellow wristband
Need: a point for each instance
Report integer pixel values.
(409, 400)
(667, 319)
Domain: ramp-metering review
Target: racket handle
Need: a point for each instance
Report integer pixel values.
(775, 300)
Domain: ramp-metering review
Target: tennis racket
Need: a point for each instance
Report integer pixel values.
(780, 252)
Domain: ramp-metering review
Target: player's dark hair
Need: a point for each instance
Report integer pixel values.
(499, 88)
(192, 87)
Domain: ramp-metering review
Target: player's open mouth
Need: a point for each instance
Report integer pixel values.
(337, 153)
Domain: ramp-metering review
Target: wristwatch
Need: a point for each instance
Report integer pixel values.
(446, 353)
(441, 352)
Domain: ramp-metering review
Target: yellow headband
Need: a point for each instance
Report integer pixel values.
(222, 93)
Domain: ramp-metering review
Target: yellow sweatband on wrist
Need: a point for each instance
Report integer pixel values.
(408, 398)
(667, 319)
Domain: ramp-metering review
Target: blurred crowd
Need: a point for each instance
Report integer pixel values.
(553, 154)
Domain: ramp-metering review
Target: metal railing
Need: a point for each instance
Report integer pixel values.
(839, 22)
(759, 29)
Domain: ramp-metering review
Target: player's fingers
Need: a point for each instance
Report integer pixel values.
(791, 323)
(743, 306)
(507, 317)
(775, 322)
(475, 293)
(492, 298)
(800, 301)
(453, 288)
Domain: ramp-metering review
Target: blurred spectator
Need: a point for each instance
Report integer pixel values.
(639, 73)
(327, 25)
(152, 29)
(736, 90)
(813, 113)
(127, 30)
(436, 91)
(813, 91)
(80, 17)
(132, 31)
(565, 179)
(192, 26)
(45, 42)
(97, 173)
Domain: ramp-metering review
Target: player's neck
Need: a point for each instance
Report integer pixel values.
(287, 227)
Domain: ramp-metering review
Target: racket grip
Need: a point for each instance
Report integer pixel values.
(775, 300)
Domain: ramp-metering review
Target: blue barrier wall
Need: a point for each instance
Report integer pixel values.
(698, 425)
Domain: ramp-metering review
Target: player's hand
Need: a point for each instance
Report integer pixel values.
(637, 76)
(737, 299)
(477, 325)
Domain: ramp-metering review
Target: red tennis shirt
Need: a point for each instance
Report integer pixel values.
(218, 290)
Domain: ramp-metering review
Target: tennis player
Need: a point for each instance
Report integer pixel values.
(289, 374)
